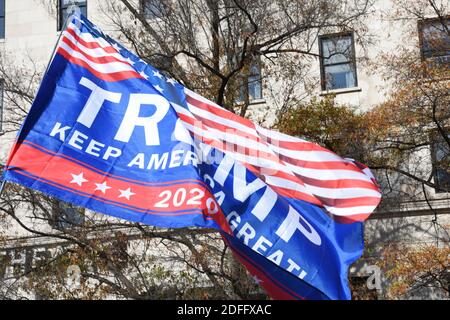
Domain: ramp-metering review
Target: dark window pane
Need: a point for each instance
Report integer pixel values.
(2, 28)
(339, 76)
(435, 40)
(241, 97)
(443, 179)
(4, 263)
(154, 9)
(255, 70)
(64, 15)
(2, 19)
(337, 50)
(64, 12)
(254, 88)
(67, 216)
(1, 106)
(2, 8)
(254, 84)
(84, 11)
(69, 2)
(444, 59)
(442, 165)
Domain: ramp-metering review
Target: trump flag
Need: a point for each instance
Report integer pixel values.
(110, 133)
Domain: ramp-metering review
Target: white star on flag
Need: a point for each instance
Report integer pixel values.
(143, 75)
(102, 187)
(126, 193)
(171, 81)
(78, 179)
(97, 29)
(157, 74)
(116, 46)
(130, 61)
(159, 88)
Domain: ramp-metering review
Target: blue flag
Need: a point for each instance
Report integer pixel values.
(111, 133)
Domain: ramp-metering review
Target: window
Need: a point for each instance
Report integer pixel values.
(1, 105)
(66, 216)
(4, 262)
(154, 9)
(441, 164)
(21, 261)
(2, 19)
(337, 63)
(253, 82)
(434, 38)
(63, 10)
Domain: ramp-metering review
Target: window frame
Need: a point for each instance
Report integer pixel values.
(3, 36)
(420, 28)
(255, 61)
(433, 149)
(2, 105)
(5, 262)
(153, 17)
(60, 15)
(352, 60)
(61, 219)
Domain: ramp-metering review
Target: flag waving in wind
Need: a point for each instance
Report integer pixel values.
(111, 133)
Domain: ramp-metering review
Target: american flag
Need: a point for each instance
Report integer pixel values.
(293, 167)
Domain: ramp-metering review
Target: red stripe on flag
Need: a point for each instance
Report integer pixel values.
(225, 128)
(220, 112)
(352, 218)
(99, 60)
(91, 45)
(64, 173)
(320, 165)
(296, 194)
(39, 147)
(111, 77)
(228, 147)
(338, 184)
(295, 145)
(352, 202)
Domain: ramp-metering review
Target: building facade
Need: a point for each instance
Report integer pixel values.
(29, 30)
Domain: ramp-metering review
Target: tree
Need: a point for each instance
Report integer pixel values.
(337, 127)
(115, 258)
(409, 269)
(125, 260)
(405, 140)
(412, 145)
(210, 47)
(410, 141)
